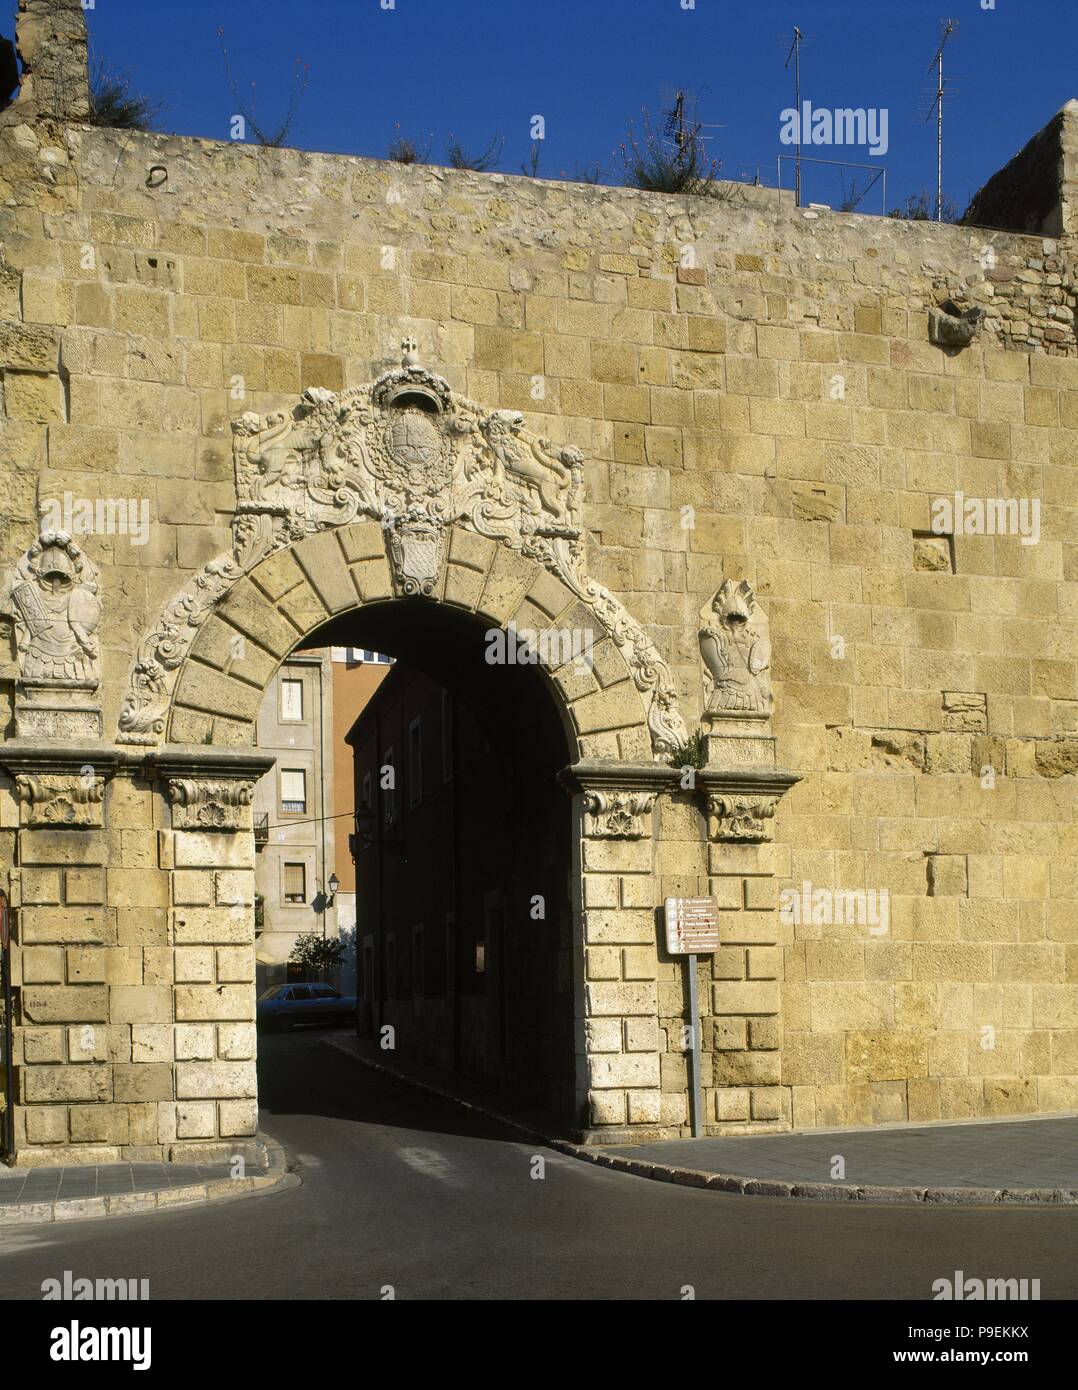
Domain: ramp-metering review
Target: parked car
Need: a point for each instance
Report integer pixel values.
(284, 1007)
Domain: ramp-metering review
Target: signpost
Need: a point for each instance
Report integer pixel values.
(692, 929)
(9, 1071)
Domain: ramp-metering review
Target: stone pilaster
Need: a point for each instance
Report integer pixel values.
(740, 801)
(208, 849)
(62, 951)
(619, 1084)
(133, 949)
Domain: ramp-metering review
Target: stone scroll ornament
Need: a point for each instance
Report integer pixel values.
(736, 652)
(618, 815)
(748, 817)
(61, 800)
(408, 452)
(51, 598)
(200, 805)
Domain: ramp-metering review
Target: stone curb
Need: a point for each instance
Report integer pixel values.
(279, 1178)
(747, 1187)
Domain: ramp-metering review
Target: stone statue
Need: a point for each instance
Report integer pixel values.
(51, 596)
(736, 652)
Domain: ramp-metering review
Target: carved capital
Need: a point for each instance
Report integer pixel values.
(617, 815)
(199, 805)
(741, 818)
(60, 800)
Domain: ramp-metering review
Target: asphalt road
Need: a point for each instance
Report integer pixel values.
(403, 1190)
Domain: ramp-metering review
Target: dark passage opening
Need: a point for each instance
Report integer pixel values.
(461, 846)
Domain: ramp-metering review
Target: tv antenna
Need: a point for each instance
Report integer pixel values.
(795, 54)
(950, 26)
(680, 120)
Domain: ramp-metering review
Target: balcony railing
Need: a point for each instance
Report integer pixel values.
(261, 829)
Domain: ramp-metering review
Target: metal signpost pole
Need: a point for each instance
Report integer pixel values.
(694, 1023)
(9, 1072)
(692, 929)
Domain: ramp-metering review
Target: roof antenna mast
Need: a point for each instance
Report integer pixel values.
(795, 54)
(950, 26)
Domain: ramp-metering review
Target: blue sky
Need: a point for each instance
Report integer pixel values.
(477, 68)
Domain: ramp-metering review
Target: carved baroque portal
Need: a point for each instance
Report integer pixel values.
(51, 597)
(736, 653)
(410, 453)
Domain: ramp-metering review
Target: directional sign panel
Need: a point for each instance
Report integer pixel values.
(692, 926)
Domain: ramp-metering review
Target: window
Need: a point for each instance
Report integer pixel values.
(293, 789)
(291, 701)
(371, 658)
(391, 966)
(447, 736)
(388, 784)
(295, 883)
(415, 763)
(365, 792)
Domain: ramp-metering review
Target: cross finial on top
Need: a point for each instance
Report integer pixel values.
(410, 348)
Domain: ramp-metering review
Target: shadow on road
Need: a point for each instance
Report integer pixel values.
(301, 1074)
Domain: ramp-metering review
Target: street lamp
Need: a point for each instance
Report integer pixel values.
(366, 823)
(334, 884)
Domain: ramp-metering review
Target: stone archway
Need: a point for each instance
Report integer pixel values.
(402, 491)
(397, 489)
(134, 891)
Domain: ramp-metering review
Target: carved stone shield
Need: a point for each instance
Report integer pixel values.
(418, 452)
(415, 554)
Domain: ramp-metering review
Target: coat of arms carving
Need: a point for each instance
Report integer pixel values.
(736, 652)
(51, 597)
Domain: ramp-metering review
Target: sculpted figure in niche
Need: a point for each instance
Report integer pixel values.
(736, 652)
(52, 598)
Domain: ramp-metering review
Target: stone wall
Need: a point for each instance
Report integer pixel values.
(1037, 190)
(756, 395)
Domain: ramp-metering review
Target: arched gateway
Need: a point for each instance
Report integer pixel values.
(134, 886)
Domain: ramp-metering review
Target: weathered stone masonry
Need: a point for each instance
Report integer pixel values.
(623, 428)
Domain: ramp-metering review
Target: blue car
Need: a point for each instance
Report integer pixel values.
(284, 1007)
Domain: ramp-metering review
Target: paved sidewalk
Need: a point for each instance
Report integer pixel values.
(1007, 1160)
(74, 1192)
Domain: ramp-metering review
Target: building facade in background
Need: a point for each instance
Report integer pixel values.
(357, 674)
(292, 806)
(303, 804)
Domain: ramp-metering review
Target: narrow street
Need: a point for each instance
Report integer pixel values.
(403, 1190)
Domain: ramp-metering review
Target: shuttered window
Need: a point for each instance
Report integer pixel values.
(293, 789)
(291, 701)
(295, 883)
